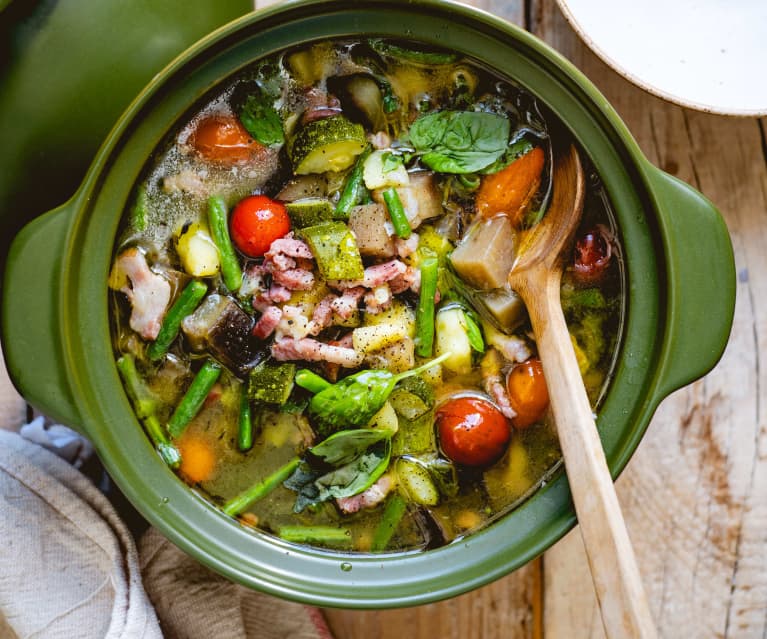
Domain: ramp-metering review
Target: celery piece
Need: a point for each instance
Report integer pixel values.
(271, 382)
(335, 250)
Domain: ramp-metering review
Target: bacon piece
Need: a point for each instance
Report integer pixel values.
(373, 276)
(378, 300)
(295, 279)
(345, 305)
(368, 498)
(410, 279)
(268, 321)
(512, 348)
(289, 246)
(287, 348)
(322, 316)
(494, 387)
(275, 295)
(148, 292)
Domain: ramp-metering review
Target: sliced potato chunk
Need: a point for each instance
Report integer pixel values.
(485, 257)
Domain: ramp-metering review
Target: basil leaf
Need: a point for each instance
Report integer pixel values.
(345, 446)
(356, 476)
(516, 149)
(460, 141)
(260, 118)
(358, 457)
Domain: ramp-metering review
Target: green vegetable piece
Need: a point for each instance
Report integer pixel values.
(397, 213)
(407, 404)
(426, 57)
(460, 141)
(344, 447)
(309, 211)
(354, 400)
(354, 188)
(184, 306)
(244, 423)
(258, 491)
(218, 216)
(416, 481)
(144, 401)
(576, 301)
(394, 511)
(315, 534)
(424, 312)
(474, 333)
(167, 451)
(326, 145)
(260, 118)
(415, 436)
(271, 382)
(311, 381)
(335, 250)
(419, 387)
(194, 397)
(591, 336)
(140, 210)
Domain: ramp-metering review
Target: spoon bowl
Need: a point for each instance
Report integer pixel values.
(536, 276)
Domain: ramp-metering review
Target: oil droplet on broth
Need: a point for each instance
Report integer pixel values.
(346, 566)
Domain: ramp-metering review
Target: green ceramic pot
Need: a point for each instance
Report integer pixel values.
(678, 258)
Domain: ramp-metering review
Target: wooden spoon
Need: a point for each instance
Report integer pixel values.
(536, 276)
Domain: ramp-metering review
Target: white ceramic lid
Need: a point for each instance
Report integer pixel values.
(709, 55)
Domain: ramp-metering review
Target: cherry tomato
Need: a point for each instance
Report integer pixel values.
(528, 394)
(472, 431)
(593, 251)
(222, 139)
(256, 222)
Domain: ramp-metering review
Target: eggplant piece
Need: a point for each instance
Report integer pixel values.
(369, 223)
(220, 326)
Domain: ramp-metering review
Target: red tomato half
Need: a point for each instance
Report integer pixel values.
(472, 431)
(593, 251)
(222, 139)
(256, 222)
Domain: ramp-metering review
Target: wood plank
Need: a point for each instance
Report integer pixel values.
(694, 494)
(506, 609)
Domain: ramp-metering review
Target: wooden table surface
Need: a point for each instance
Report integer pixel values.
(695, 493)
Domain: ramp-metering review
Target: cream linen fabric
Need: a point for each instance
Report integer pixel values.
(68, 566)
(69, 569)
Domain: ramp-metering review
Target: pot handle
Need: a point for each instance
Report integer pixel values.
(700, 272)
(32, 339)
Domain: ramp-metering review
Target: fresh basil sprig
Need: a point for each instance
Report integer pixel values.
(260, 118)
(460, 141)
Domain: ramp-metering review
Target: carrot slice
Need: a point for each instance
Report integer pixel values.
(510, 190)
(197, 459)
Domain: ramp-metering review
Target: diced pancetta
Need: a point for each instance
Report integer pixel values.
(346, 304)
(287, 349)
(368, 498)
(270, 318)
(374, 275)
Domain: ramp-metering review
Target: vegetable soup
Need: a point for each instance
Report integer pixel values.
(309, 303)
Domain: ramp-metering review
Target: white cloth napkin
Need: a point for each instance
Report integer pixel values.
(69, 567)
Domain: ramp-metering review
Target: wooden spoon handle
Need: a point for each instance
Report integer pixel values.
(618, 584)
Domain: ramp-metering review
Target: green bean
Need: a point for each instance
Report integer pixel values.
(183, 306)
(218, 217)
(195, 395)
(397, 213)
(309, 534)
(239, 503)
(392, 515)
(245, 423)
(168, 452)
(424, 314)
(311, 381)
(144, 403)
(354, 189)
